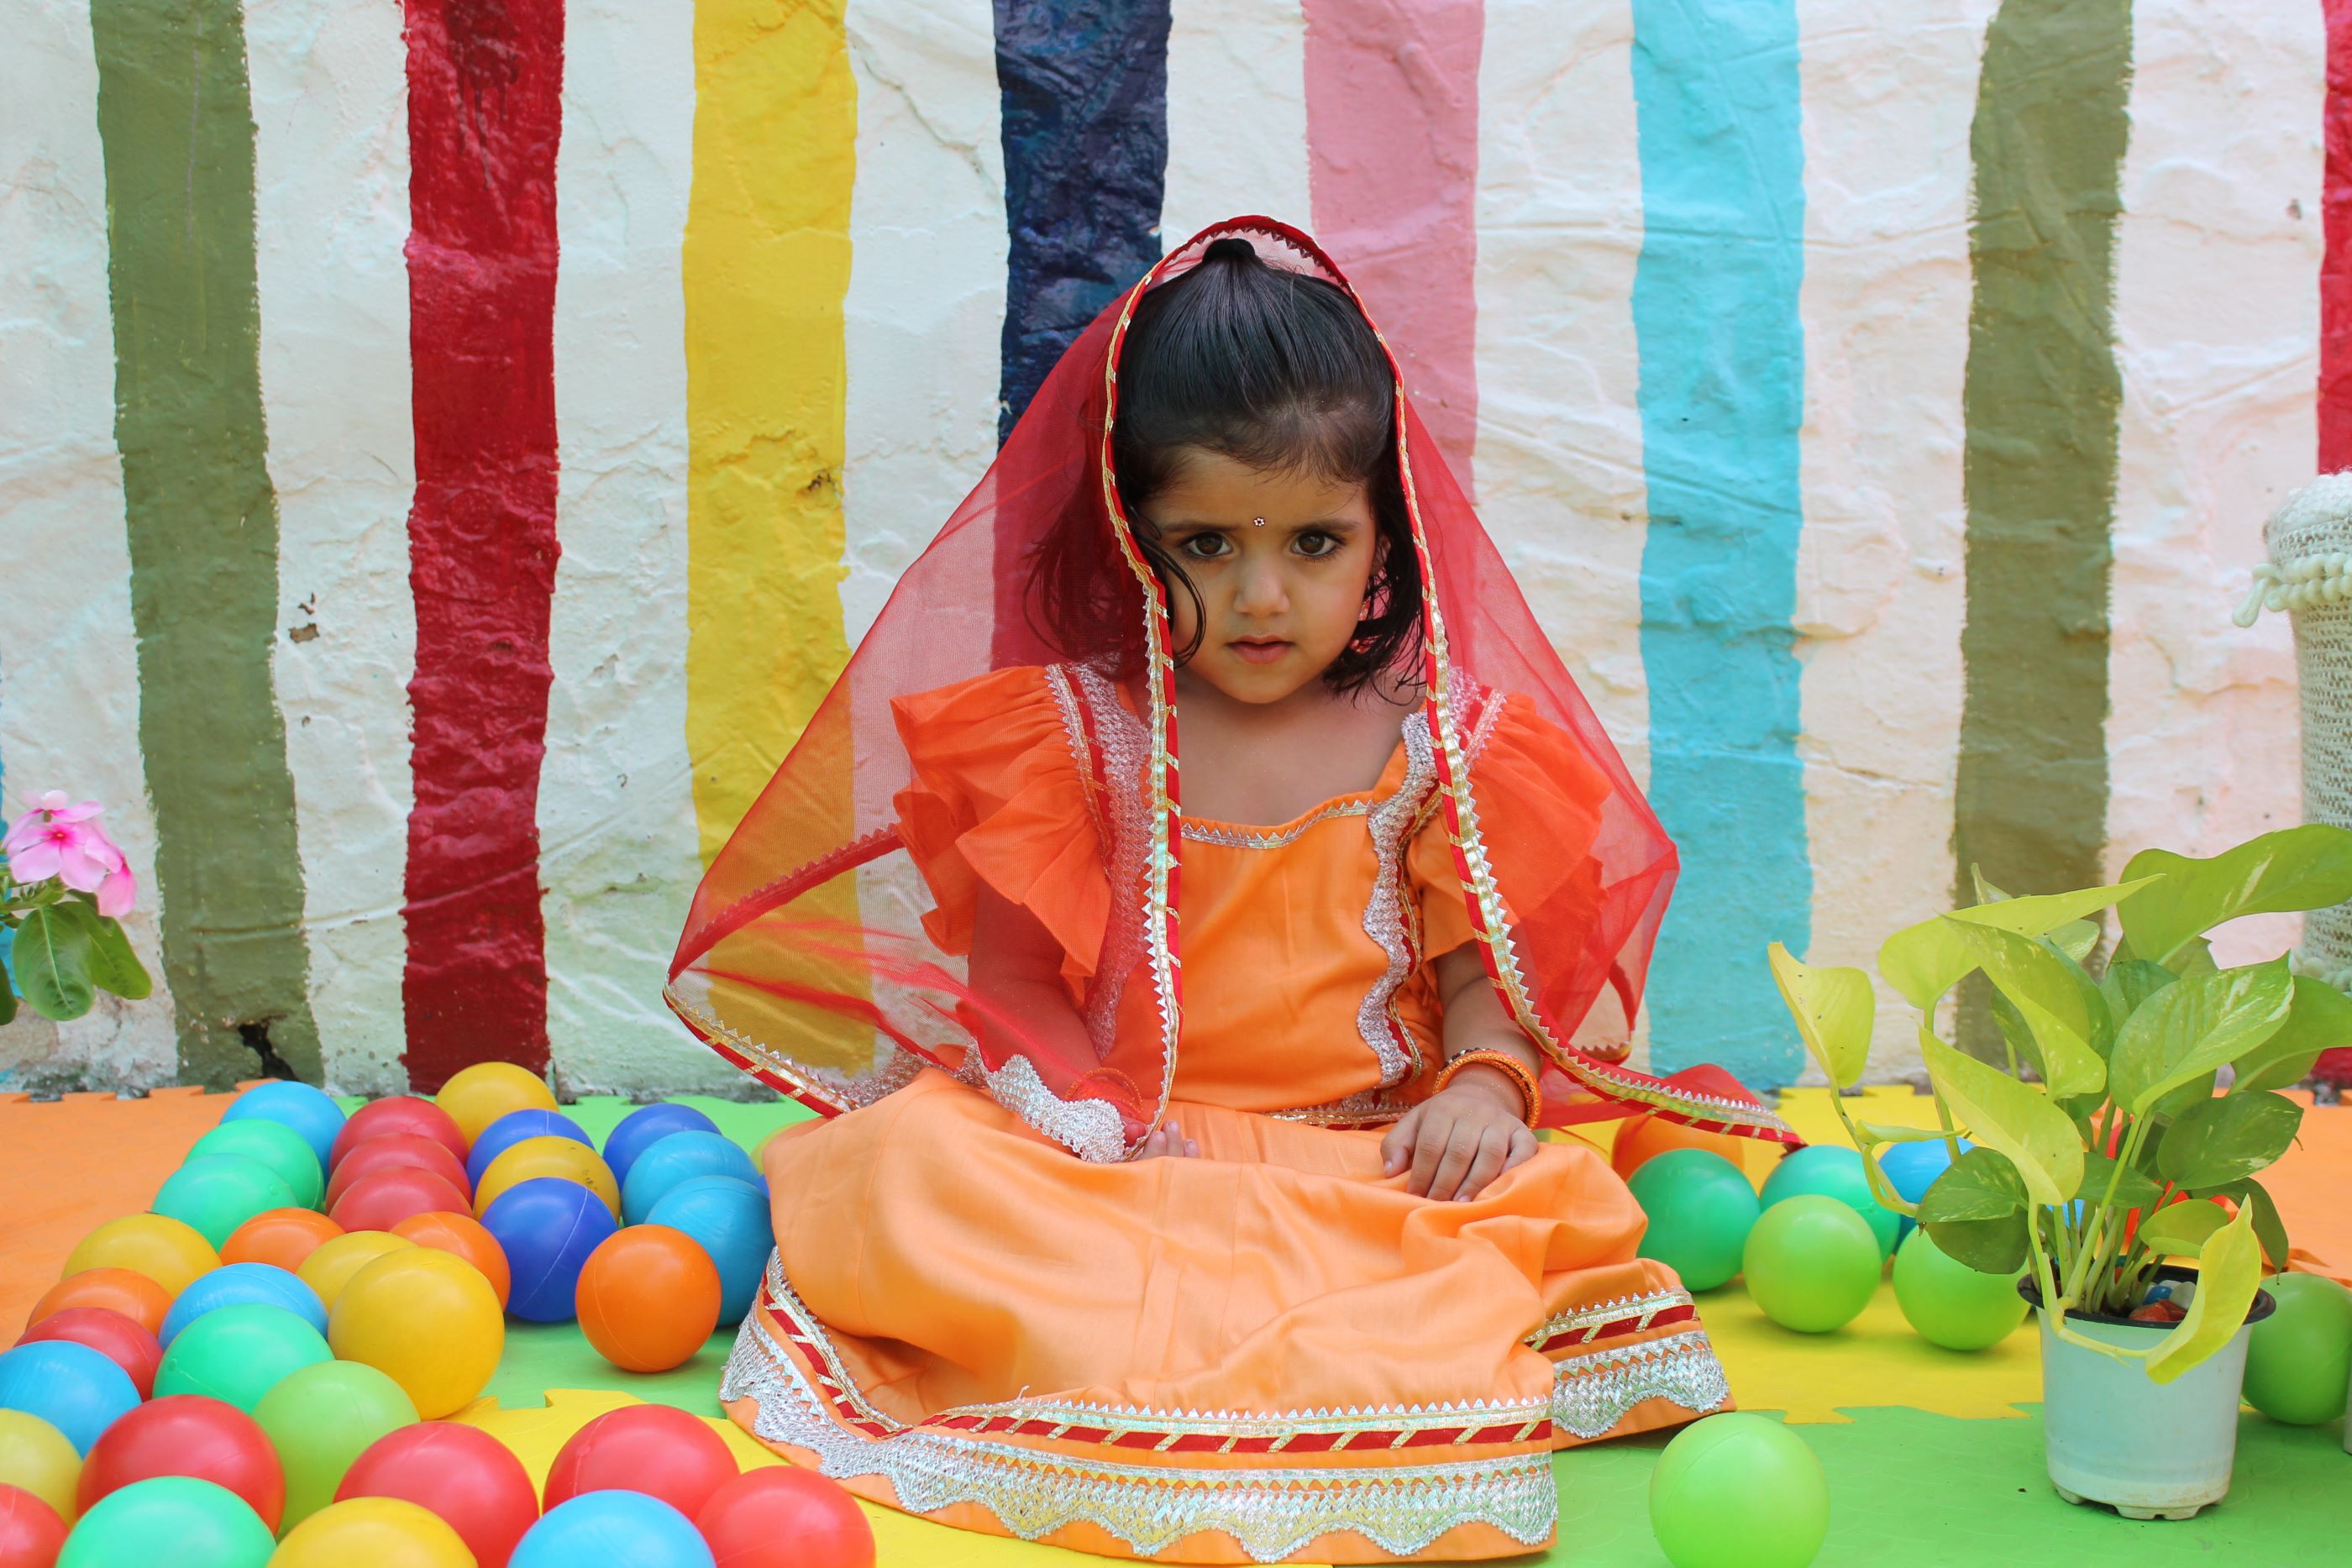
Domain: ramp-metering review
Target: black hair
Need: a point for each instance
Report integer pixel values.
(1279, 371)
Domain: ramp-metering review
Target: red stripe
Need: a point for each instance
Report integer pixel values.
(484, 80)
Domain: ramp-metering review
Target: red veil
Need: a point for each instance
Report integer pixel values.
(818, 960)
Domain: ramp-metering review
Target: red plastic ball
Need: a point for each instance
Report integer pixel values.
(402, 1113)
(383, 1198)
(31, 1534)
(468, 1478)
(122, 1340)
(784, 1516)
(397, 1149)
(651, 1448)
(187, 1435)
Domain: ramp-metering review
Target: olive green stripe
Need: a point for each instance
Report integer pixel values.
(175, 120)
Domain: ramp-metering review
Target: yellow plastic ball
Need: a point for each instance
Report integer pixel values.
(559, 1157)
(331, 1264)
(478, 1095)
(373, 1533)
(426, 1319)
(168, 1251)
(38, 1458)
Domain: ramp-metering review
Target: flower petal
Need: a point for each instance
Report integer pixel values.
(34, 861)
(117, 894)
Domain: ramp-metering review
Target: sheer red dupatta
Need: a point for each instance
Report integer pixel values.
(816, 958)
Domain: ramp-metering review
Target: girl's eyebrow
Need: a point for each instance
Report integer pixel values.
(1323, 525)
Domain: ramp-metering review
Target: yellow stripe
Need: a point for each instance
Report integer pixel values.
(766, 270)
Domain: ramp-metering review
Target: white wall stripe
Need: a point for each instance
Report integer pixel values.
(1236, 115)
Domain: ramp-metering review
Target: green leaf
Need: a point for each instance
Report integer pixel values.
(2269, 1228)
(1834, 1011)
(2181, 1228)
(1924, 961)
(1998, 1112)
(2194, 1025)
(2133, 1190)
(2319, 1016)
(2222, 1140)
(113, 966)
(7, 995)
(2040, 914)
(2229, 1273)
(2309, 867)
(1976, 1212)
(2035, 980)
(52, 959)
(2128, 983)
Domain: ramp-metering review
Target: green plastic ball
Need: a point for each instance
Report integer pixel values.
(274, 1145)
(1811, 1263)
(2299, 1359)
(1835, 1172)
(214, 1194)
(1738, 1491)
(1700, 1210)
(171, 1519)
(1950, 1303)
(320, 1418)
(238, 1354)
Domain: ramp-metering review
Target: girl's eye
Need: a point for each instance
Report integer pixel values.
(1204, 546)
(1322, 545)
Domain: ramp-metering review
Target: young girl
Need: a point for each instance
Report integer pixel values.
(1176, 1194)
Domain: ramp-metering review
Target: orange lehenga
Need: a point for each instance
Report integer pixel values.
(981, 1308)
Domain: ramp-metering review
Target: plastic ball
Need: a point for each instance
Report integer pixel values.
(462, 1236)
(390, 1194)
(214, 1194)
(1911, 1170)
(648, 1298)
(126, 1343)
(272, 1144)
(461, 1474)
(1950, 1303)
(643, 1128)
(401, 1114)
(558, 1157)
(168, 1251)
(378, 1531)
(1645, 1137)
(308, 1110)
(281, 1238)
(1833, 1171)
(656, 1449)
(371, 1155)
(174, 1520)
(320, 1419)
(330, 1268)
(233, 1282)
(184, 1435)
(730, 1219)
(547, 1227)
(1738, 1491)
(239, 1354)
(123, 1290)
(785, 1516)
(478, 1095)
(427, 1320)
(32, 1533)
(2299, 1359)
(612, 1530)
(680, 1156)
(513, 1128)
(1700, 1208)
(70, 1386)
(39, 1458)
(1811, 1263)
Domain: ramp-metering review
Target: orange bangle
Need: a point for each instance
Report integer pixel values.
(1530, 1090)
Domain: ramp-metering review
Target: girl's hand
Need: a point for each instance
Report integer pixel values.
(1459, 1141)
(1167, 1140)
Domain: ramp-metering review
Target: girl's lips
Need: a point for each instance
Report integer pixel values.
(1260, 653)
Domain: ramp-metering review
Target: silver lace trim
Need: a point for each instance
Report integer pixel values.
(1123, 822)
(1597, 1315)
(1592, 1393)
(1206, 832)
(1090, 1129)
(1385, 916)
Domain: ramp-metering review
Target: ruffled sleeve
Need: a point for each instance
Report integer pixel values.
(997, 797)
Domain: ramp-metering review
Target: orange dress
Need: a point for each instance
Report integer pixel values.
(1271, 1353)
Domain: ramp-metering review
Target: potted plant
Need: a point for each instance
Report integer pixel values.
(64, 885)
(2100, 1138)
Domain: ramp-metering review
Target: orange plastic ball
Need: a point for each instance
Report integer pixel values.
(125, 1290)
(648, 1298)
(462, 1236)
(281, 1238)
(1645, 1137)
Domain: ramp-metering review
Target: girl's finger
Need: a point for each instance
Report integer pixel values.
(1461, 1148)
(1396, 1148)
(1493, 1150)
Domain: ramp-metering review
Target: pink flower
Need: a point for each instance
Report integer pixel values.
(57, 840)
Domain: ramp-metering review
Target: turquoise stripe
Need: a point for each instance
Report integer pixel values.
(1722, 395)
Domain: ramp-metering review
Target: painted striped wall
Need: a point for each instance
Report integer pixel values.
(447, 450)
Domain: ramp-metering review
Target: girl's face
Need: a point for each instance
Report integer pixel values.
(1280, 601)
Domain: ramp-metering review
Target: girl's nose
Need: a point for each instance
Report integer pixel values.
(1262, 591)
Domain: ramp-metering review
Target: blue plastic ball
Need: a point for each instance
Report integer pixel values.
(611, 1530)
(309, 1112)
(1831, 1170)
(730, 1219)
(233, 1283)
(512, 1129)
(70, 1385)
(548, 1227)
(681, 1157)
(1911, 1170)
(647, 1126)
